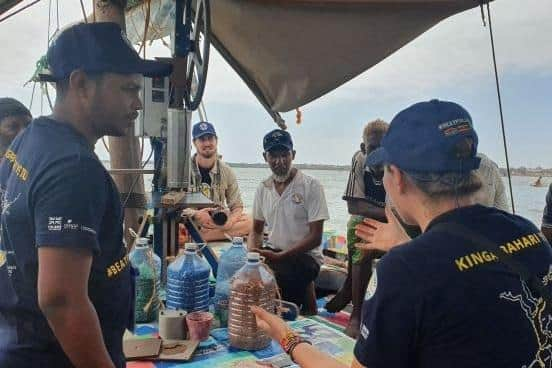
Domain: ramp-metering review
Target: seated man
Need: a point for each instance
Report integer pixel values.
(217, 181)
(293, 206)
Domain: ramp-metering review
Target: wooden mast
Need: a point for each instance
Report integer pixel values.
(124, 152)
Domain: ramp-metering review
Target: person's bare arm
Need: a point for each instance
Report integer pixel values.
(306, 356)
(63, 299)
(311, 241)
(255, 240)
(364, 208)
(382, 236)
(234, 216)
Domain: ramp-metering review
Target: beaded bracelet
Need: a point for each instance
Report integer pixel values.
(290, 341)
(301, 341)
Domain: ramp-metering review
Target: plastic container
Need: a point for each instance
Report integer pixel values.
(157, 264)
(199, 325)
(148, 283)
(252, 285)
(188, 281)
(231, 261)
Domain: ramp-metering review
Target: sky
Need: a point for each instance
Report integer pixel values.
(451, 61)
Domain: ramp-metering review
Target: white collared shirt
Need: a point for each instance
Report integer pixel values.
(288, 215)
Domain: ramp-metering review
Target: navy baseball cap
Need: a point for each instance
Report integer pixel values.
(423, 138)
(97, 48)
(277, 138)
(202, 128)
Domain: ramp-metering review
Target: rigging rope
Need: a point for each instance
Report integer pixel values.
(105, 145)
(500, 108)
(32, 96)
(49, 22)
(138, 176)
(83, 12)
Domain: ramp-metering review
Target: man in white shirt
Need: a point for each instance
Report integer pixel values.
(293, 206)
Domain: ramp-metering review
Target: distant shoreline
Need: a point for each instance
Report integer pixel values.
(299, 166)
(522, 171)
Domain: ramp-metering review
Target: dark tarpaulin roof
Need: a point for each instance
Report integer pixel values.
(6, 5)
(290, 52)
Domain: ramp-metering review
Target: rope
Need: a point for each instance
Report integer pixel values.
(49, 22)
(32, 96)
(136, 179)
(83, 12)
(146, 4)
(142, 148)
(18, 11)
(45, 91)
(105, 145)
(500, 108)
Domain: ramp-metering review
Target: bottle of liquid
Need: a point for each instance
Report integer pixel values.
(252, 285)
(157, 264)
(188, 281)
(143, 260)
(230, 262)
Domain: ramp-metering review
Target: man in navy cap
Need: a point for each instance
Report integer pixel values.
(64, 271)
(293, 206)
(473, 290)
(217, 181)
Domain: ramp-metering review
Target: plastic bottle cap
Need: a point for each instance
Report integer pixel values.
(190, 247)
(253, 256)
(142, 241)
(237, 240)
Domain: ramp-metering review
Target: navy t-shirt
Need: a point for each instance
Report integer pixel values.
(55, 192)
(439, 301)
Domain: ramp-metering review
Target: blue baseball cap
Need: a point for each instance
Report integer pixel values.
(97, 48)
(203, 128)
(277, 138)
(423, 137)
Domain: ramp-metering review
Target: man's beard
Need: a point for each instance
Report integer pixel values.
(283, 177)
(210, 154)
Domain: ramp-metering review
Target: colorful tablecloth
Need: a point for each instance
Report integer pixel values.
(216, 352)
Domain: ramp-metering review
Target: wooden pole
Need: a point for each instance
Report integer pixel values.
(124, 151)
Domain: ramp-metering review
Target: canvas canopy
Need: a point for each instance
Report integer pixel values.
(290, 52)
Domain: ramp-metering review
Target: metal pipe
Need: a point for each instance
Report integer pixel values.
(178, 149)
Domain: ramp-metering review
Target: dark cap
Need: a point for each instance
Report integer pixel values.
(11, 107)
(277, 139)
(98, 48)
(203, 128)
(423, 138)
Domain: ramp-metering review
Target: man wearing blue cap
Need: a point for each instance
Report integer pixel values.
(293, 206)
(217, 181)
(473, 289)
(65, 278)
